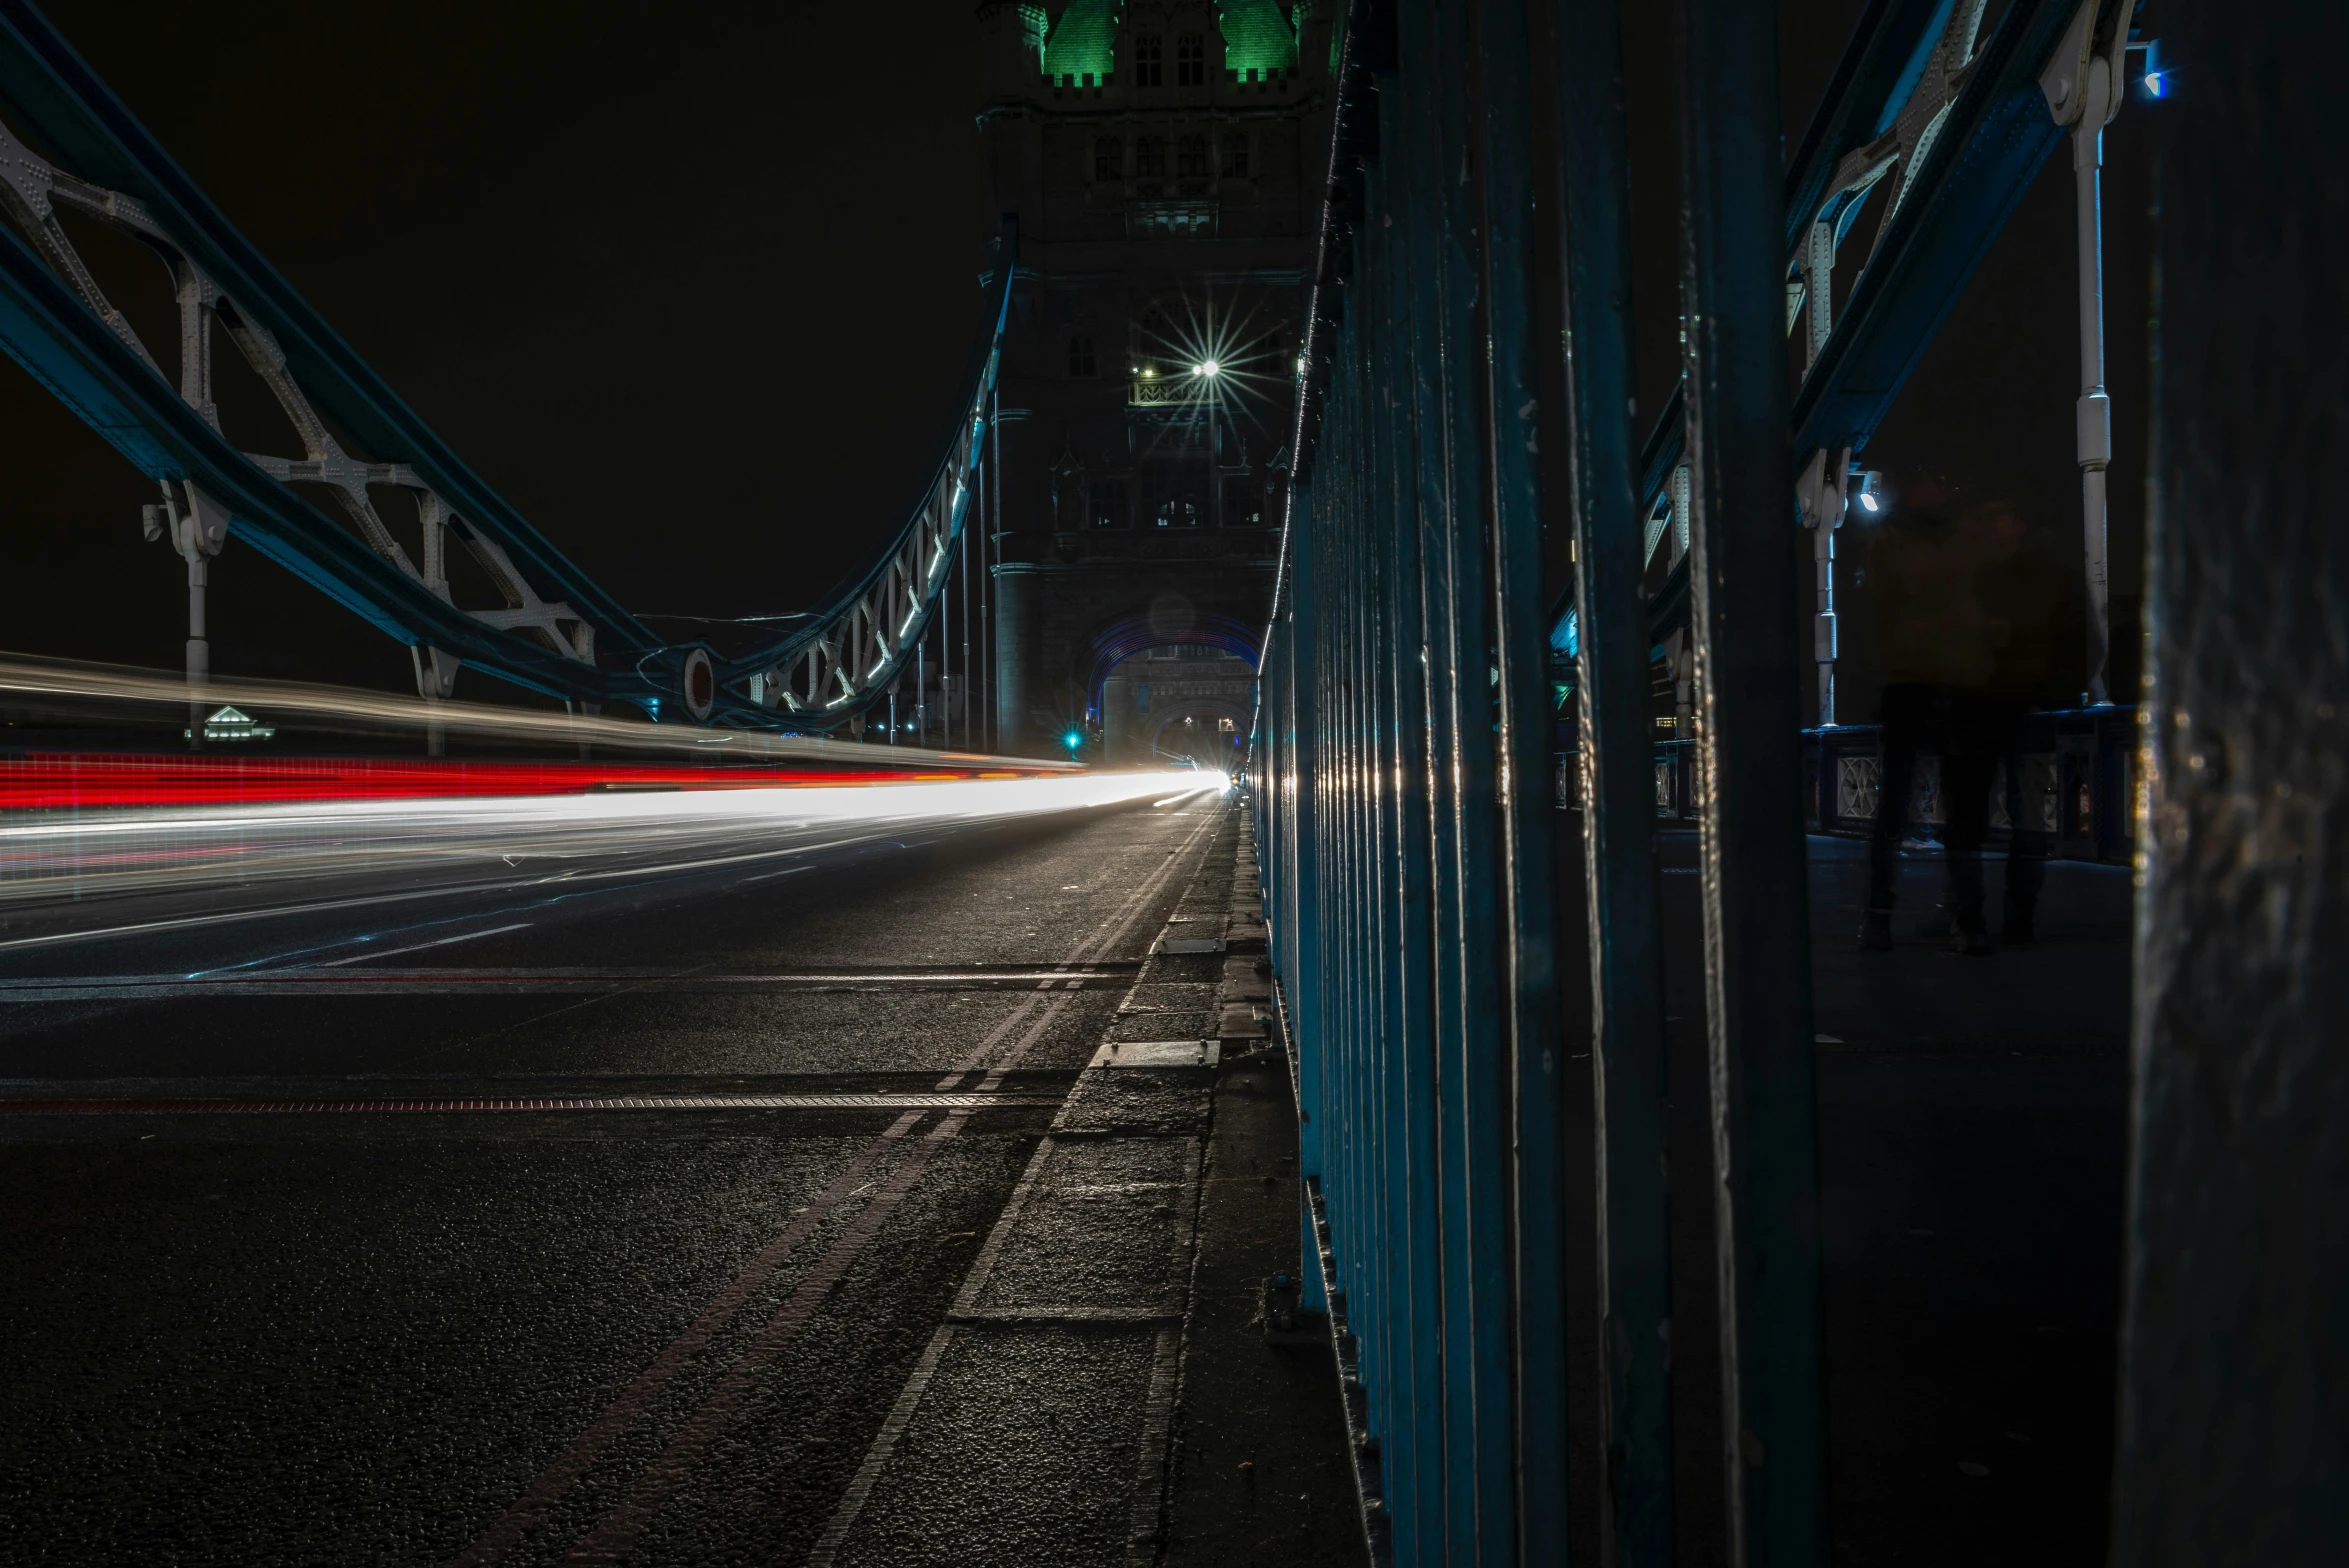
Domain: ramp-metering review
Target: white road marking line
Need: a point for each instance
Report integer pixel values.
(418, 947)
(616, 1531)
(362, 901)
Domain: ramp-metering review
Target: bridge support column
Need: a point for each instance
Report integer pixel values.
(1014, 593)
(199, 647)
(198, 528)
(2233, 1431)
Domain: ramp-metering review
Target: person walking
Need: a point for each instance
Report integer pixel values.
(1936, 647)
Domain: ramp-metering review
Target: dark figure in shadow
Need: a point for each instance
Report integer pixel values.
(1937, 640)
(2034, 619)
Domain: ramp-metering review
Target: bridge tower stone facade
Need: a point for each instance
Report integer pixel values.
(1159, 157)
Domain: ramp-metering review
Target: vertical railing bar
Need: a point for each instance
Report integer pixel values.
(1516, 577)
(1415, 134)
(1303, 782)
(1618, 818)
(1749, 671)
(1415, 1367)
(1416, 1465)
(1485, 1371)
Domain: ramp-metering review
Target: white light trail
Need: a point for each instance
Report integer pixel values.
(53, 859)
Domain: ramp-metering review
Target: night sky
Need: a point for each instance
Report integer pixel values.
(693, 287)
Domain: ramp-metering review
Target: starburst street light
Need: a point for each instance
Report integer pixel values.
(1204, 356)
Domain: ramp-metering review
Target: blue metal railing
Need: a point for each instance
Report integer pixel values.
(1403, 759)
(1405, 681)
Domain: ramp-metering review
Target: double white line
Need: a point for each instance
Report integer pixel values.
(616, 1533)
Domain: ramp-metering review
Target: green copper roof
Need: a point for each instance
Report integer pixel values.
(1257, 37)
(1084, 42)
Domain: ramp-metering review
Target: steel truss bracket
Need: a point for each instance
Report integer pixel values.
(1810, 271)
(436, 671)
(195, 523)
(2083, 82)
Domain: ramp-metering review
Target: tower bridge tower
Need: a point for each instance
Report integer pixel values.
(1158, 155)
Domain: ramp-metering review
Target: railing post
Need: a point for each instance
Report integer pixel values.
(1502, 112)
(1413, 1449)
(989, 549)
(1619, 814)
(1757, 927)
(2233, 1393)
(1301, 981)
(1474, 1069)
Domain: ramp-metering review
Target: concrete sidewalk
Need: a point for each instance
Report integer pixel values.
(1101, 1390)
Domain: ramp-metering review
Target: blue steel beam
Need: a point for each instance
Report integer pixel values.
(46, 328)
(90, 131)
(848, 650)
(1996, 138)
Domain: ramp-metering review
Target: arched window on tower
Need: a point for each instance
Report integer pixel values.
(1080, 355)
(1190, 61)
(1153, 340)
(1191, 157)
(1150, 158)
(1149, 61)
(1109, 158)
(1109, 503)
(1235, 155)
(1243, 503)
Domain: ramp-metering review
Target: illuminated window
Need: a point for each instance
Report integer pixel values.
(1191, 157)
(1190, 61)
(1235, 158)
(1150, 158)
(1149, 65)
(1080, 356)
(1109, 158)
(1174, 495)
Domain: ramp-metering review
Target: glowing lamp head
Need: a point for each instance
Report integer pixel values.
(1207, 369)
(1868, 493)
(1073, 739)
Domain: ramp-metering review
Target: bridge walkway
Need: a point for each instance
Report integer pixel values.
(1972, 1117)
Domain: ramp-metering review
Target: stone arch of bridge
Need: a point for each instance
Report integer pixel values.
(1122, 639)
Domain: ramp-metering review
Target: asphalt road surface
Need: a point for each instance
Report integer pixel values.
(637, 1204)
